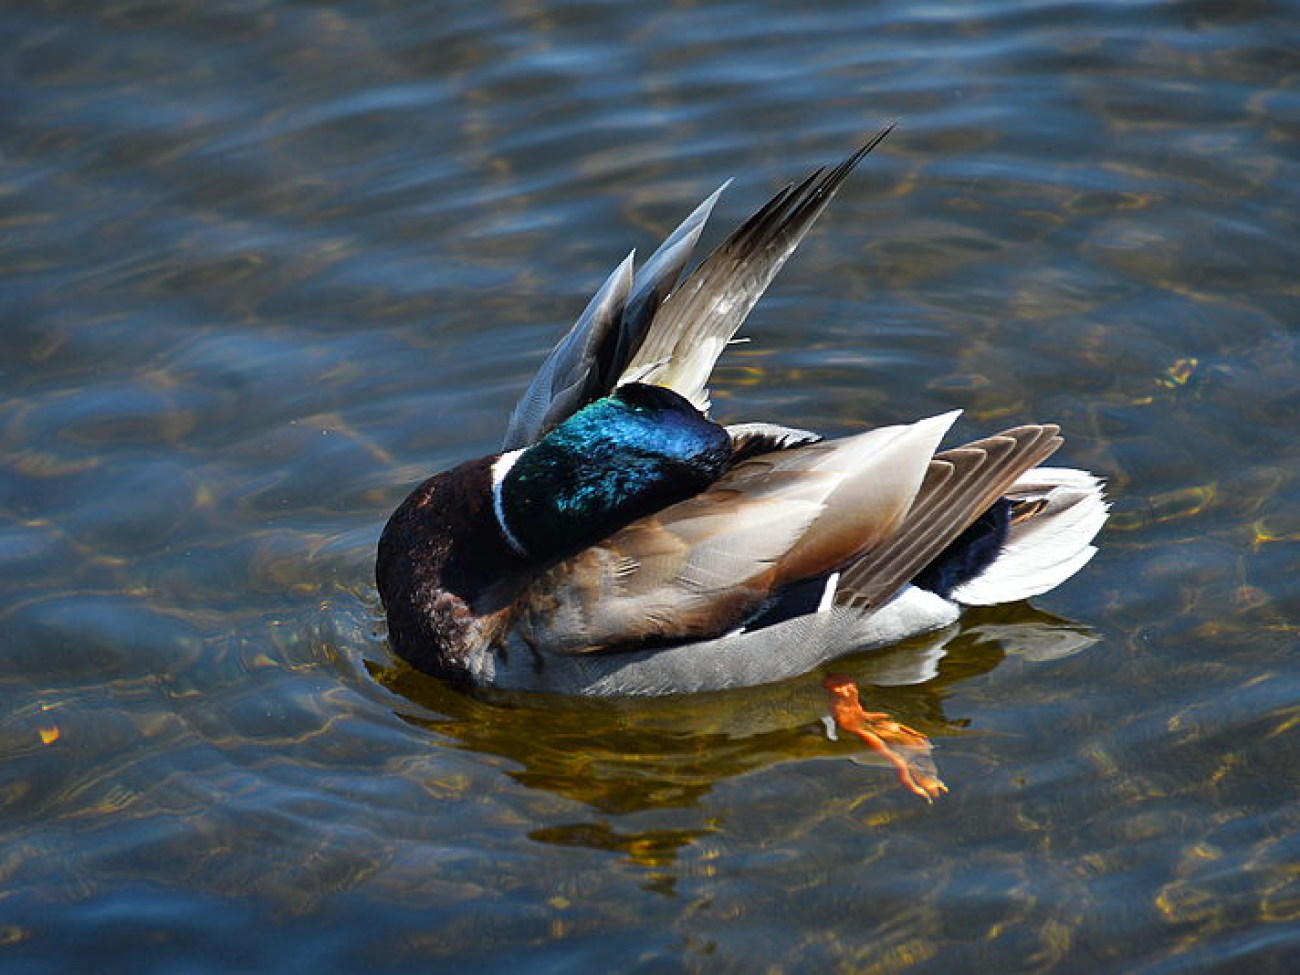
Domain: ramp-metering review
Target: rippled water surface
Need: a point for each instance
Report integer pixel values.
(265, 265)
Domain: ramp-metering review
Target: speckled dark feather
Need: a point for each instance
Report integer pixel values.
(444, 569)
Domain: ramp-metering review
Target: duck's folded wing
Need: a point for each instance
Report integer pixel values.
(960, 484)
(697, 321)
(586, 363)
(704, 566)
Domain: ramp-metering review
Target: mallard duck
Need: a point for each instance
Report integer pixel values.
(623, 542)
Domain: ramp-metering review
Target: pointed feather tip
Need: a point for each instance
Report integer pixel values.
(941, 422)
(711, 200)
(905, 451)
(693, 225)
(919, 439)
(879, 474)
(875, 140)
(849, 164)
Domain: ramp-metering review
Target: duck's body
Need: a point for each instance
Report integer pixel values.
(623, 543)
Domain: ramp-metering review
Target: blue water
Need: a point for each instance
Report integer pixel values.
(265, 265)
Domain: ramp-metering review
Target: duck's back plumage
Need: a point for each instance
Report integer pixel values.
(702, 567)
(715, 557)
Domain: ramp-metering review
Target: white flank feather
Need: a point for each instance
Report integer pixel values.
(1043, 551)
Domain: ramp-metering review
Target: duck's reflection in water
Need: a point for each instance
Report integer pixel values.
(629, 755)
(619, 755)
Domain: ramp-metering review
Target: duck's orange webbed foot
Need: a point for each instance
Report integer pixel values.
(911, 756)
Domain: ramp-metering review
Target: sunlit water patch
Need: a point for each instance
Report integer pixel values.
(265, 266)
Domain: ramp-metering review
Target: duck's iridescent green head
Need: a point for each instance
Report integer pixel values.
(616, 460)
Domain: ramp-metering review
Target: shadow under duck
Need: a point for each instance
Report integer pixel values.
(624, 543)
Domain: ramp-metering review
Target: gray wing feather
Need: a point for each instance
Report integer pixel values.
(567, 379)
(655, 280)
(587, 362)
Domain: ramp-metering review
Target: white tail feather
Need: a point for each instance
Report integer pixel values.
(1044, 550)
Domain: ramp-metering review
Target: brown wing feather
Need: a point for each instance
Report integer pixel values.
(959, 486)
(684, 573)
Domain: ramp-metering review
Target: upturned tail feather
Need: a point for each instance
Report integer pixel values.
(642, 326)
